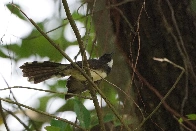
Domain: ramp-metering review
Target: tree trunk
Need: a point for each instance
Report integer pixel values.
(137, 31)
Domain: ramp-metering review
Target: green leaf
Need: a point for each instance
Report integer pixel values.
(36, 44)
(191, 116)
(180, 120)
(68, 106)
(12, 47)
(43, 102)
(94, 120)
(3, 55)
(61, 125)
(110, 93)
(58, 85)
(41, 47)
(108, 117)
(15, 11)
(193, 5)
(52, 128)
(82, 113)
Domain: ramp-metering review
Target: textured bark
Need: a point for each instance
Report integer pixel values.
(162, 28)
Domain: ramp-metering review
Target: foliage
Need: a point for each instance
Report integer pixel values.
(57, 125)
(191, 117)
(139, 88)
(82, 113)
(36, 45)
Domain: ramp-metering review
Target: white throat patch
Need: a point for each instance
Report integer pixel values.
(110, 64)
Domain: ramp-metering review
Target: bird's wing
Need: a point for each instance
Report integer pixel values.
(74, 86)
(77, 87)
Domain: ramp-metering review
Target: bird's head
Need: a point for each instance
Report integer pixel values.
(107, 58)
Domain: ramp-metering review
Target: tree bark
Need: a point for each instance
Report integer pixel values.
(138, 31)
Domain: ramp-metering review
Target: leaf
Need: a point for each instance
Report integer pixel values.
(58, 85)
(193, 5)
(61, 125)
(68, 106)
(43, 102)
(94, 120)
(82, 113)
(3, 55)
(180, 120)
(108, 117)
(191, 116)
(15, 11)
(52, 128)
(110, 93)
(41, 47)
(36, 44)
(11, 47)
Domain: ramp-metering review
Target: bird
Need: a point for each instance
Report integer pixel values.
(40, 71)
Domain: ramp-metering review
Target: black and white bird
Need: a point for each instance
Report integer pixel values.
(77, 83)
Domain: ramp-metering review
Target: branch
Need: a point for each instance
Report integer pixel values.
(41, 112)
(168, 93)
(3, 117)
(49, 91)
(82, 50)
(78, 68)
(19, 120)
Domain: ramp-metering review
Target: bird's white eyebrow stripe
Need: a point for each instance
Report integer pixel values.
(110, 64)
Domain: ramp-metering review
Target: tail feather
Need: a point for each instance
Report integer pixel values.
(41, 77)
(38, 72)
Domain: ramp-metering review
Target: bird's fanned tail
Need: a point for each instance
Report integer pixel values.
(38, 72)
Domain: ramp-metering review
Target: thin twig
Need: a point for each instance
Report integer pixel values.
(18, 119)
(122, 92)
(41, 112)
(182, 125)
(166, 106)
(3, 117)
(82, 50)
(79, 69)
(33, 124)
(168, 93)
(49, 91)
